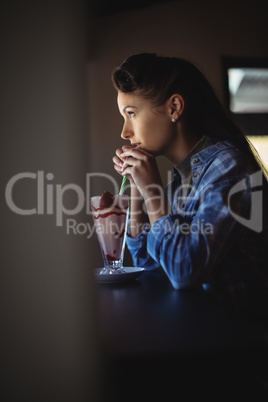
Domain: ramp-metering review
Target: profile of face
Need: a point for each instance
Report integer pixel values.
(150, 126)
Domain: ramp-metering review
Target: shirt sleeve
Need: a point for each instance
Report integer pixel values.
(138, 249)
(189, 247)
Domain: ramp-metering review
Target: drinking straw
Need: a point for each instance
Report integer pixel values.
(125, 177)
(123, 185)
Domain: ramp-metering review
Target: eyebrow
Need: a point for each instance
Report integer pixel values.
(133, 107)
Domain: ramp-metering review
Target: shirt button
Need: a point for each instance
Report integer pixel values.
(195, 160)
(196, 174)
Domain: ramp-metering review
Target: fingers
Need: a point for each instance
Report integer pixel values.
(128, 157)
(130, 163)
(118, 161)
(119, 152)
(119, 170)
(135, 153)
(126, 147)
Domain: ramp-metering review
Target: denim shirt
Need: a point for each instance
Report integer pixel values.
(218, 237)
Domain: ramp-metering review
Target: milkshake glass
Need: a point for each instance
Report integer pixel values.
(110, 220)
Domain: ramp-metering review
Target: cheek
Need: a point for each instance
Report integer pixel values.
(159, 129)
(157, 137)
(156, 124)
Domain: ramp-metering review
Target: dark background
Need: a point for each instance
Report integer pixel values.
(59, 116)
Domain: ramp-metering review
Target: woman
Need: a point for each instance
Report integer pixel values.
(207, 228)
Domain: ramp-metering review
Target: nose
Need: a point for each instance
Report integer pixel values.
(126, 133)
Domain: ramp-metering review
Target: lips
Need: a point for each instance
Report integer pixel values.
(137, 144)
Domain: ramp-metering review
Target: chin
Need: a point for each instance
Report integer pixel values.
(151, 151)
(154, 152)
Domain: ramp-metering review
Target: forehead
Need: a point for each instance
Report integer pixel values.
(125, 99)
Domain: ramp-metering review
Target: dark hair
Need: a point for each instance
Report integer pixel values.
(158, 78)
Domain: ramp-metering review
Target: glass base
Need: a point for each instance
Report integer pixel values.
(112, 271)
(115, 264)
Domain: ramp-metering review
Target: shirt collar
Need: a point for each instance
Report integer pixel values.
(184, 168)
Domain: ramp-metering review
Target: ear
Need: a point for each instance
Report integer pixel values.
(176, 107)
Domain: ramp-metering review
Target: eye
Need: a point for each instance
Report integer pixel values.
(131, 114)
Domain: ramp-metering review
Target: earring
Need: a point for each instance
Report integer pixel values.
(173, 120)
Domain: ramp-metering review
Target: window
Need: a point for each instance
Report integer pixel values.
(248, 90)
(246, 94)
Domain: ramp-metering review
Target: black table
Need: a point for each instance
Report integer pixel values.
(167, 340)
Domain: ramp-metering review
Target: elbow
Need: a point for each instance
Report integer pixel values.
(186, 281)
(182, 284)
(188, 272)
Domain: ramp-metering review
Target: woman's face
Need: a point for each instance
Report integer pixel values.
(145, 124)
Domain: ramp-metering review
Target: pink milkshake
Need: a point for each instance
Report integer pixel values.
(110, 215)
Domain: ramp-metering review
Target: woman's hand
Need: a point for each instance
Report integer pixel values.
(142, 169)
(118, 161)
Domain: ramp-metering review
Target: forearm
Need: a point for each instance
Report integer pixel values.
(156, 202)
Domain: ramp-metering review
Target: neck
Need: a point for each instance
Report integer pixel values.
(183, 143)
